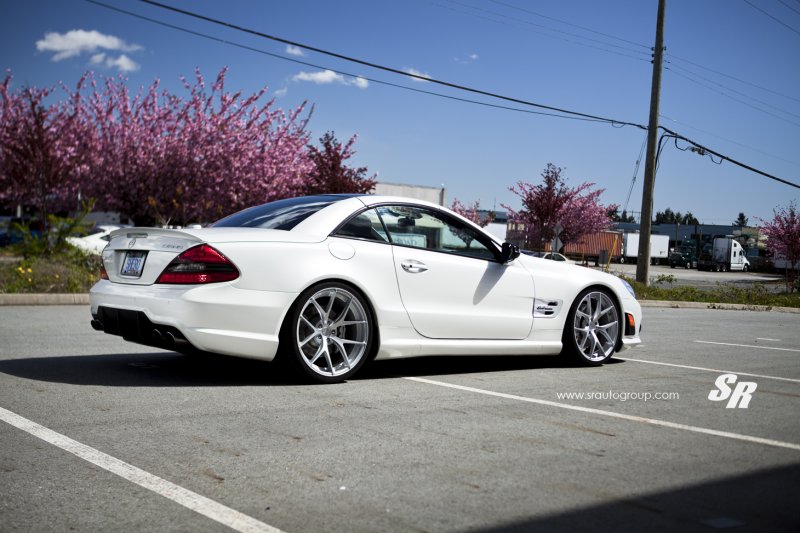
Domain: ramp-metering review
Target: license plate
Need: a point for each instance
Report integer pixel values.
(133, 264)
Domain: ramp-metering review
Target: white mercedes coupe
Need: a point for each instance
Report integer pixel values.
(326, 283)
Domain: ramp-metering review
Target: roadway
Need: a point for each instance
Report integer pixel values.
(97, 435)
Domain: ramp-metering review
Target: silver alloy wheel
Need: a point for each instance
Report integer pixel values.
(596, 326)
(332, 332)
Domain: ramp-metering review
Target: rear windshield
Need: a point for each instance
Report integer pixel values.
(281, 214)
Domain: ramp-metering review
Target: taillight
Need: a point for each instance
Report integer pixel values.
(200, 264)
(103, 273)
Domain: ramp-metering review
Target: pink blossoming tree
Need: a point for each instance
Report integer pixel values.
(473, 214)
(544, 206)
(783, 234)
(156, 157)
(331, 174)
(167, 158)
(46, 150)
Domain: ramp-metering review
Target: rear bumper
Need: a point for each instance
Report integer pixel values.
(215, 318)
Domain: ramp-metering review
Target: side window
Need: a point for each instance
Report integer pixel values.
(366, 225)
(422, 228)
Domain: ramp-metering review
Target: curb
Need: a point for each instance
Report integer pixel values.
(83, 299)
(44, 299)
(711, 305)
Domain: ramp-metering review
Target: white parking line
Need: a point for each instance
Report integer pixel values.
(185, 497)
(751, 346)
(715, 370)
(612, 414)
(766, 339)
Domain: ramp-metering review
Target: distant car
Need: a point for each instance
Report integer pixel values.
(96, 240)
(328, 282)
(553, 256)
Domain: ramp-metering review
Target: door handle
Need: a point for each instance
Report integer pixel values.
(413, 267)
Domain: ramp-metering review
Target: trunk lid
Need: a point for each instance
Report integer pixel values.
(138, 256)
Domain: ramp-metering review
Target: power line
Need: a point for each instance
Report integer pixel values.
(700, 148)
(734, 78)
(790, 7)
(730, 140)
(633, 43)
(686, 70)
(635, 173)
(343, 73)
(584, 28)
(704, 150)
(776, 19)
(734, 98)
(378, 66)
(543, 28)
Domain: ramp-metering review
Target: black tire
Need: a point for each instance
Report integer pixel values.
(329, 333)
(745, 268)
(580, 337)
(672, 265)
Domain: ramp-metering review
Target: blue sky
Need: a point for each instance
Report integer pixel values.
(731, 84)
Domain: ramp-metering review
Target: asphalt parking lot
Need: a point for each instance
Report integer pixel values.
(97, 435)
(700, 278)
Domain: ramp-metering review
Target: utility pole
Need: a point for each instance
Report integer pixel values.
(643, 264)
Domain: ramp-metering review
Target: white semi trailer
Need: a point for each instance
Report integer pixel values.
(659, 247)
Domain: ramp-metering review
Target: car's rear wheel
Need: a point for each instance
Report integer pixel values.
(329, 333)
(592, 329)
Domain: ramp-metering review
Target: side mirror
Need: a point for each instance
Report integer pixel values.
(508, 252)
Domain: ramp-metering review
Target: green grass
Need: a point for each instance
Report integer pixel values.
(758, 294)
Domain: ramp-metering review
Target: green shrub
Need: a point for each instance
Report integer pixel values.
(67, 271)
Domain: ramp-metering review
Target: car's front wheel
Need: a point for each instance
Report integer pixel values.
(592, 329)
(329, 333)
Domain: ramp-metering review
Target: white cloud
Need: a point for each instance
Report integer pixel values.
(321, 77)
(324, 77)
(75, 42)
(294, 50)
(123, 63)
(416, 72)
(280, 93)
(466, 59)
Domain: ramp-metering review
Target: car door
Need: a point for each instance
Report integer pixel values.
(451, 283)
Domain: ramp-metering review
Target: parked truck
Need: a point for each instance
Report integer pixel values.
(596, 247)
(659, 248)
(724, 254)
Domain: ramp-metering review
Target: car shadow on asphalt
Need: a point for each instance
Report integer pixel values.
(158, 369)
(166, 369)
(471, 364)
(763, 500)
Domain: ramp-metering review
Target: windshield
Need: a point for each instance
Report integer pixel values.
(281, 214)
